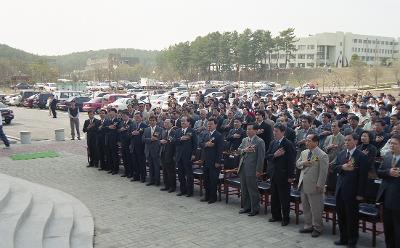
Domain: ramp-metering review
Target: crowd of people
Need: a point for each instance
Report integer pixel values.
(334, 141)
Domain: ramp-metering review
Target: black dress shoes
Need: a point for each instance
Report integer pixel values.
(149, 184)
(89, 165)
(252, 213)
(340, 243)
(171, 190)
(204, 200)
(113, 173)
(181, 194)
(164, 189)
(244, 211)
(189, 195)
(109, 172)
(274, 220)
(306, 230)
(212, 201)
(123, 175)
(285, 222)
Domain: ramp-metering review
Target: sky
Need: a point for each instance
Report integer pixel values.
(56, 27)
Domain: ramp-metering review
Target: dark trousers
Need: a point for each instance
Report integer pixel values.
(154, 168)
(3, 136)
(185, 176)
(53, 111)
(280, 200)
(126, 159)
(113, 159)
(139, 165)
(347, 212)
(92, 150)
(102, 152)
(391, 225)
(169, 174)
(210, 182)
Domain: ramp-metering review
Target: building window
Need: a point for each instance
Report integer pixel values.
(341, 43)
(355, 41)
(310, 56)
(301, 47)
(359, 41)
(359, 49)
(301, 56)
(310, 65)
(310, 47)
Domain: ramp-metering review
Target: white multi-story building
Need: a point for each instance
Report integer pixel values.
(336, 50)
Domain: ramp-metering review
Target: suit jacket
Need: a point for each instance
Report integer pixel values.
(266, 135)
(168, 149)
(136, 140)
(333, 152)
(102, 131)
(152, 148)
(125, 136)
(314, 175)
(92, 129)
(351, 183)
(234, 143)
(301, 135)
(251, 162)
(213, 155)
(112, 134)
(280, 169)
(290, 134)
(185, 148)
(389, 191)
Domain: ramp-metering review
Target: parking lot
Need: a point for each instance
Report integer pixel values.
(38, 122)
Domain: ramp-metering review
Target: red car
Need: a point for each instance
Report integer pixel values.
(28, 102)
(95, 104)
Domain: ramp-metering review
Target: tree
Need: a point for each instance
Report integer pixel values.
(358, 69)
(287, 43)
(396, 69)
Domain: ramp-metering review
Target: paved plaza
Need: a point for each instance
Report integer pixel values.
(128, 214)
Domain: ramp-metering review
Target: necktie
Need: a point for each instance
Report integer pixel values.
(309, 155)
(394, 162)
(348, 155)
(137, 126)
(333, 139)
(91, 121)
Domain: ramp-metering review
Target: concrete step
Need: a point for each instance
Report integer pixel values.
(58, 230)
(83, 230)
(14, 213)
(30, 232)
(4, 193)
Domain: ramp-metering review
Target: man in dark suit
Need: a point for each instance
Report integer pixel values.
(125, 128)
(101, 141)
(389, 193)
(151, 139)
(90, 128)
(53, 106)
(290, 134)
(185, 146)
(137, 149)
(167, 157)
(352, 166)
(213, 147)
(111, 124)
(235, 135)
(281, 157)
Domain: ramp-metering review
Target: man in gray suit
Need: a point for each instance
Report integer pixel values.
(313, 163)
(252, 150)
(151, 139)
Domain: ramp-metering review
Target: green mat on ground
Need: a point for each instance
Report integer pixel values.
(34, 155)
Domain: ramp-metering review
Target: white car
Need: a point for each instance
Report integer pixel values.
(15, 100)
(121, 103)
(50, 87)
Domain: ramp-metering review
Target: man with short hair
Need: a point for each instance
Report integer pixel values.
(73, 113)
(90, 127)
(137, 149)
(101, 141)
(3, 136)
(167, 157)
(252, 150)
(111, 124)
(389, 193)
(352, 166)
(235, 135)
(151, 139)
(125, 128)
(185, 146)
(313, 163)
(213, 148)
(281, 157)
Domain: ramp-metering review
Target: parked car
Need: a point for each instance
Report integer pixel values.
(50, 86)
(79, 100)
(22, 86)
(28, 102)
(121, 103)
(14, 100)
(94, 104)
(63, 95)
(7, 115)
(25, 94)
(40, 100)
(110, 98)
